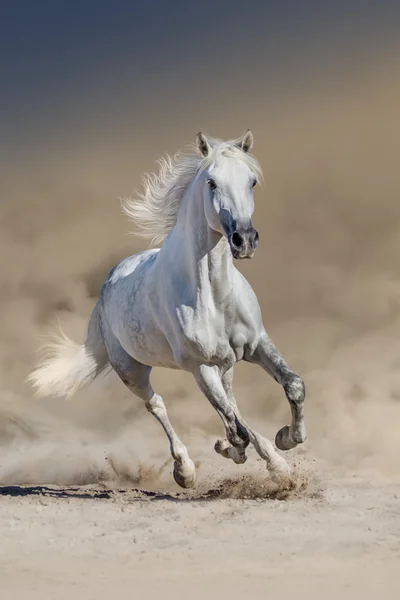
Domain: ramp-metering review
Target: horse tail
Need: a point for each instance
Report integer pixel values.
(67, 367)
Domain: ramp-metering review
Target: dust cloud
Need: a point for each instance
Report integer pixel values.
(326, 274)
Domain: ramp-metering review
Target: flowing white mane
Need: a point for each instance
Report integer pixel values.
(155, 211)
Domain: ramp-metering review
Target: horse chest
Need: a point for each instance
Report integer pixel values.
(204, 337)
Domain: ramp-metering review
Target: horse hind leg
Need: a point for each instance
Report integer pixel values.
(136, 377)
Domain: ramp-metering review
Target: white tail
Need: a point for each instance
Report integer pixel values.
(67, 367)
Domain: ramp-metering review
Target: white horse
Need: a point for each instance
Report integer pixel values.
(185, 305)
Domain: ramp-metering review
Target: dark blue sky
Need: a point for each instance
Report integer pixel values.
(60, 58)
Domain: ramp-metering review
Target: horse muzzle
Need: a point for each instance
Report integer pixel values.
(243, 243)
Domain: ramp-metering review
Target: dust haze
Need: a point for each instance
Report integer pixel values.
(326, 275)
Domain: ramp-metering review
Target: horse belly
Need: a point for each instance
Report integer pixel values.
(149, 348)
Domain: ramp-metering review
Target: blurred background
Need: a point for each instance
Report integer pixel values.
(92, 94)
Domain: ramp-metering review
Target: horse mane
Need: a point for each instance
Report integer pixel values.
(155, 211)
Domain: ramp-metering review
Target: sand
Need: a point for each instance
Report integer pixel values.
(341, 537)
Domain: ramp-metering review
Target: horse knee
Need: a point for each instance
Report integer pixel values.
(288, 438)
(295, 389)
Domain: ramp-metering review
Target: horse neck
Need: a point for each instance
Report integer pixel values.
(205, 258)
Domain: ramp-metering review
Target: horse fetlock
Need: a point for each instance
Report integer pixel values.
(238, 436)
(242, 432)
(298, 432)
(223, 447)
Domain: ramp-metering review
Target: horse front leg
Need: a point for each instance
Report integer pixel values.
(222, 446)
(268, 357)
(276, 464)
(209, 380)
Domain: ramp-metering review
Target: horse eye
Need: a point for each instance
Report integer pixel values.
(211, 183)
(254, 183)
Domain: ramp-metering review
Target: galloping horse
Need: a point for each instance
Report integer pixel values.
(185, 305)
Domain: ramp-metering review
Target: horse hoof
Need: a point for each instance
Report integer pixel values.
(284, 440)
(185, 475)
(224, 448)
(221, 447)
(280, 473)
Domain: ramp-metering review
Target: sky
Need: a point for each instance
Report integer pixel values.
(65, 64)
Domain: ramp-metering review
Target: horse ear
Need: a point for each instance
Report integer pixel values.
(202, 144)
(246, 142)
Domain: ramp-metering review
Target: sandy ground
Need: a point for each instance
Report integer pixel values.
(336, 534)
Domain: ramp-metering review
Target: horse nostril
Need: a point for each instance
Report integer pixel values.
(256, 238)
(237, 239)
